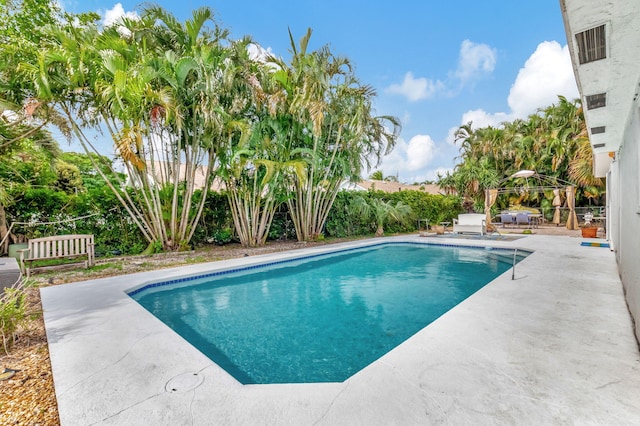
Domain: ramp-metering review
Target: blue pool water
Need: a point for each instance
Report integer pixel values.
(321, 319)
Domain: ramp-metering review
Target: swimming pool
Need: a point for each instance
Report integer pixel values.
(320, 318)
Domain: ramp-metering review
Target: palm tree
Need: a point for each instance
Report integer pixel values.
(377, 175)
(581, 167)
(156, 90)
(254, 158)
(22, 131)
(253, 177)
(382, 212)
(337, 130)
(551, 142)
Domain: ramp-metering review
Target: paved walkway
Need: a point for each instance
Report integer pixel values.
(553, 346)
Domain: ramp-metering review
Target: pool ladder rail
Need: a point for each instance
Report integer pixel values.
(513, 260)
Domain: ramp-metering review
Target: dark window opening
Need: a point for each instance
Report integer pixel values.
(592, 45)
(596, 101)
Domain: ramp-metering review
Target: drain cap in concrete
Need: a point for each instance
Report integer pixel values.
(184, 382)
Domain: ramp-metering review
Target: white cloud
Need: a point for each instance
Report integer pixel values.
(112, 16)
(450, 138)
(396, 160)
(412, 156)
(420, 152)
(442, 171)
(546, 74)
(259, 53)
(415, 89)
(475, 60)
(406, 117)
(479, 118)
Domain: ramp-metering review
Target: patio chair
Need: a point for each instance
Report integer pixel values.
(506, 219)
(523, 219)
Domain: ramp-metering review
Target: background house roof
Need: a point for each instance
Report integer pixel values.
(387, 186)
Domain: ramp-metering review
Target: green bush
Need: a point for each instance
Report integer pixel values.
(282, 227)
(153, 248)
(222, 236)
(437, 208)
(344, 220)
(13, 311)
(104, 217)
(215, 216)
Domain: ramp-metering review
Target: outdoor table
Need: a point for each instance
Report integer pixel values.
(535, 219)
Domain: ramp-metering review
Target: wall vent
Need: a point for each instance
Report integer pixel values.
(592, 45)
(597, 130)
(596, 101)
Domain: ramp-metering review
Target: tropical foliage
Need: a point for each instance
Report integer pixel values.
(152, 85)
(381, 212)
(13, 311)
(553, 143)
(347, 219)
(184, 104)
(331, 127)
(24, 139)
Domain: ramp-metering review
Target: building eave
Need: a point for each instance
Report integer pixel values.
(616, 75)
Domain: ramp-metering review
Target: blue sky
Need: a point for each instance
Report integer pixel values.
(434, 65)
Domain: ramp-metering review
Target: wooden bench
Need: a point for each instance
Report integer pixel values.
(472, 223)
(57, 247)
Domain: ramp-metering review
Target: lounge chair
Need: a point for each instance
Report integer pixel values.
(472, 223)
(506, 219)
(523, 219)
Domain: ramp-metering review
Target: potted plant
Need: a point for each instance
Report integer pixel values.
(588, 229)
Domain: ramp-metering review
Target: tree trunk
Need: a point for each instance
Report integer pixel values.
(4, 249)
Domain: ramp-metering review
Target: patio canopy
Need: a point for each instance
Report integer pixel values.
(540, 183)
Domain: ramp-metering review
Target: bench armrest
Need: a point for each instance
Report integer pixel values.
(24, 255)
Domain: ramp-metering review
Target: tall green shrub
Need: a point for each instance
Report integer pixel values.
(344, 219)
(216, 217)
(436, 208)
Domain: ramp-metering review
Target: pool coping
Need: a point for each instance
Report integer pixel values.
(554, 345)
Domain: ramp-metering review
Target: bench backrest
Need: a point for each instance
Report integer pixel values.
(60, 246)
(471, 219)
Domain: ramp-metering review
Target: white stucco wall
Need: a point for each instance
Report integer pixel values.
(618, 75)
(626, 226)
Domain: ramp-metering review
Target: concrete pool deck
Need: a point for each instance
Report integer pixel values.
(553, 346)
